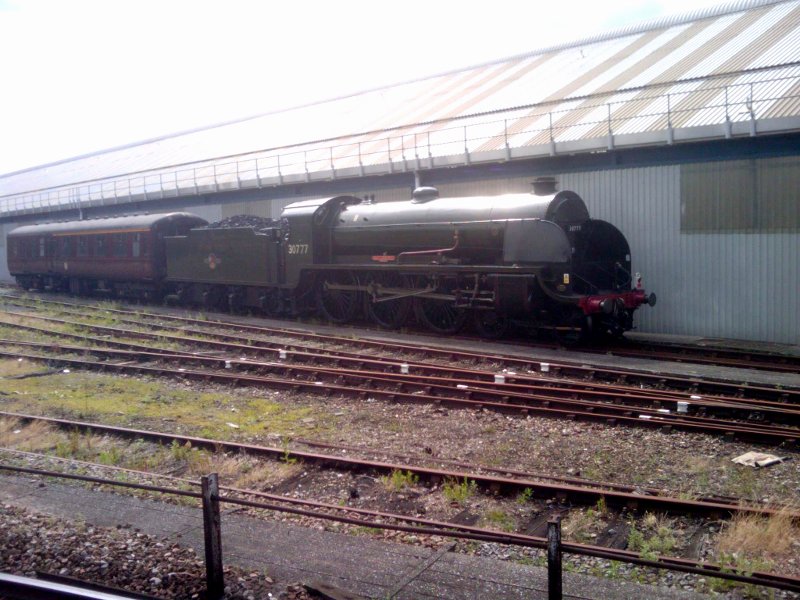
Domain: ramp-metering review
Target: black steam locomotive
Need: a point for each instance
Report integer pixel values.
(538, 261)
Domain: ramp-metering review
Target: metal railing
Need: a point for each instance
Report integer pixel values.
(636, 116)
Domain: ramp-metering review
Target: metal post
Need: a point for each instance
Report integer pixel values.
(670, 133)
(728, 131)
(505, 138)
(610, 129)
(215, 584)
(554, 583)
(430, 153)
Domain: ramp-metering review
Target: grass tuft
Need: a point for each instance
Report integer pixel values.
(753, 535)
(459, 491)
(399, 479)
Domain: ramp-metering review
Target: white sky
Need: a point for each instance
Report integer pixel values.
(84, 75)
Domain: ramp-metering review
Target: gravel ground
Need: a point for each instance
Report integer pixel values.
(121, 558)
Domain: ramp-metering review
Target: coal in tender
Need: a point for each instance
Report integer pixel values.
(236, 221)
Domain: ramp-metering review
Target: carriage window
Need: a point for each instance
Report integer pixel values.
(41, 247)
(137, 244)
(100, 246)
(83, 246)
(66, 247)
(120, 245)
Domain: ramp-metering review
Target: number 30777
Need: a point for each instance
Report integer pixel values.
(298, 249)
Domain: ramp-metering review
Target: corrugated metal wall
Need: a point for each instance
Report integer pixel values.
(487, 187)
(733, 285)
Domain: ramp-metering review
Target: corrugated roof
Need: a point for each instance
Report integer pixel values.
(720, 72)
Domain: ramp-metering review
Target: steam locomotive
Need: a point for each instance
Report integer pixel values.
(532, 260)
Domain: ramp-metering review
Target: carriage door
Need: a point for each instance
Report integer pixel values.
(47, 252)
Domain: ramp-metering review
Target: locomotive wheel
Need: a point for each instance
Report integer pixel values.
(389, 314)
(490, 324)
(272, 304)
(214, 298)
(234, 299)
(439, 316)
(338, 306)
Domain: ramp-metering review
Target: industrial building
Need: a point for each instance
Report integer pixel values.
(683, 132)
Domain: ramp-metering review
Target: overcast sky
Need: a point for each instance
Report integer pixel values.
(85, 75)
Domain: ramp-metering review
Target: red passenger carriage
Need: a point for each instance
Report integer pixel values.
(112, 255)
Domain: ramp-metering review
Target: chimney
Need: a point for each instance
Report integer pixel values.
(544, 186)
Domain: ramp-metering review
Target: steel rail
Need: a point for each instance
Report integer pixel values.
(651, 402)
(784, 363)
(563, 366)
(513, 382)
(452, 530)
(406, 457)
(620, 487)
(608, 413)
(546, 490)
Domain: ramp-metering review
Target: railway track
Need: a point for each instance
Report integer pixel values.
(663, 351)
(312, 343)
(709, 355)
(412, 388)
(577, 493)
(350, 373)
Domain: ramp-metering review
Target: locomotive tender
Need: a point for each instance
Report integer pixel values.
(538, 261)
